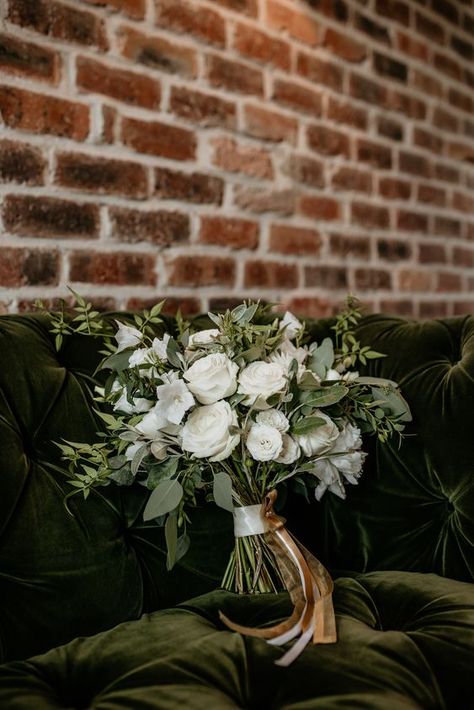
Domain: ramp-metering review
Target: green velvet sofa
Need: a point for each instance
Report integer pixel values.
(90, 618)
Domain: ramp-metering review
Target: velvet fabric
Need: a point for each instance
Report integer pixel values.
(402, 545)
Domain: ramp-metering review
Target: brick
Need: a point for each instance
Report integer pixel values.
(374, 154)
(367, 90)
(448, 282)
(446, 9)
(429, 28)
(412, 221)
(415, 280)
(318, 207)
(462, 202)
(319, 71)
(369, 216)
(49, 217)
(28, 59)
(262, 47)
(21, 163)
(406, 104)
(37, 113)
(223, 303)
(101, 175)
(432, 195)
(331, 277)
(156, 138)
(413, 47)
(351, 179)
(114, 268)
(462, 308)
(203, 109)
(59, 21)
(229, 232)
(109, 124)
(349, 247)
(427, 139)
(446, 173)
(393, 250)
(432, 254)
(460, 152)
(460, 100)
(270, 274)
(28, 267)
(427, 83)
(343, 46)
(375, 30)
(295, 21)
(414, 164)
(463, 257)
(234, 76)
(468, 127)
(309, 306)
(287, 239)
(159, 227)
(397, 307)
(463, 48)
(187, 305)
(189, 187)
(335, 9)
(269, 125)
(391, 68)
(327, 141)
(132, 8)
(242, 158)
(372, 279)
(447, 65)
(260, 200)
(157, 52)
(128, 87)
(395, 189)
(297, 97)
(433, 309)
(347, 113)
(389, 128)
(394, 10)
(305, 170)
(445, 120)
(191, 19)
(200, 270)
(249, 7)
(447, 227)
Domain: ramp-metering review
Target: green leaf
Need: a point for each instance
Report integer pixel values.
(171, 537)
(183, 546)
(117, 361)
(309, 382)
(164, 498)
(172, 353)
(249, 314)
(238, 312)
(307, 425)
(222, 491)
(138, 458)
(162, 471)
(373, 355)
(322, 359)
(273, 399)
(109, 419)
(394, 403)
(376, 382)
(326, 396)
(122, 476)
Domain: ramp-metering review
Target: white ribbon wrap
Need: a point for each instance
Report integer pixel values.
(248, 520)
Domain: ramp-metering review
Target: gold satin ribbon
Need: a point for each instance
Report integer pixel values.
(308, 584)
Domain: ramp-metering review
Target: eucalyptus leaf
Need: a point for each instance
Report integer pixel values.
(162, 471)
(375, 381)
(122, 476)
(322, 358)
(171, 537)
(309, 382)
(249, 314)
(164, 498)
(238, 312)
(138, 458)
(117, 361)
(172, 353)
(183, 546)
(393, 402)
(307, 425)
(222, 491)
(326, 396)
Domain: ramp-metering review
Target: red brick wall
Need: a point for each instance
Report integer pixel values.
(207, 150)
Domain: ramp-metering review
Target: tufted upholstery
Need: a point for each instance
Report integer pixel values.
(406, 638)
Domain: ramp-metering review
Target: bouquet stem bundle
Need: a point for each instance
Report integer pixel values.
(252, 568)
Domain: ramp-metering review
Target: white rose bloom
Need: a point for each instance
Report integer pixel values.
(203, 337)
(260, 380)
(212, 377)
(319, 440)
(160, 346)
(293, 325)
(206, 431)
(174, 400)
(290, 452)
(264, 442)
(330, 480)
(349, 465)
(140, 356)
(151, 424)
(138, 405)
(127, 337)
(274, 418)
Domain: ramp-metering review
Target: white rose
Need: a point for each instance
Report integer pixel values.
(152, 424)
(160, 346)
(203, 337)
(290, 452)
(319, 440)
(293, 325)
(329, 478)
(274, 418)
(127, 337)
(349, 464)
(138, 404)
(264, 442)
(212, 377)
(260, 380)
(206, 431)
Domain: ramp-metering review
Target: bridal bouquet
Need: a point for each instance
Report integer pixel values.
(234, 413)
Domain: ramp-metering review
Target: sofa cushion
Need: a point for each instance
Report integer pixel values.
(406, 640)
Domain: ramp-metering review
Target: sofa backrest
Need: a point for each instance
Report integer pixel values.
(62, 576)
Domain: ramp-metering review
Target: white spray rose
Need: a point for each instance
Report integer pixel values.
(274, 418)
(293, 325)
(206, 431)
(127, 337)
(212, 377)
(264, 442)
(202, 337)
(319, 440)
(260, 380)
(174, 400)
(152, 424)
(138, 404)
(290, 451)
(348, 466)
(160, 345)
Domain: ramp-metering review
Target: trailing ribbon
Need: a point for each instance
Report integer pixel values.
(307, 581)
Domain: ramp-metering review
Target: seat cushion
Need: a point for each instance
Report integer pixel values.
(406, 640)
